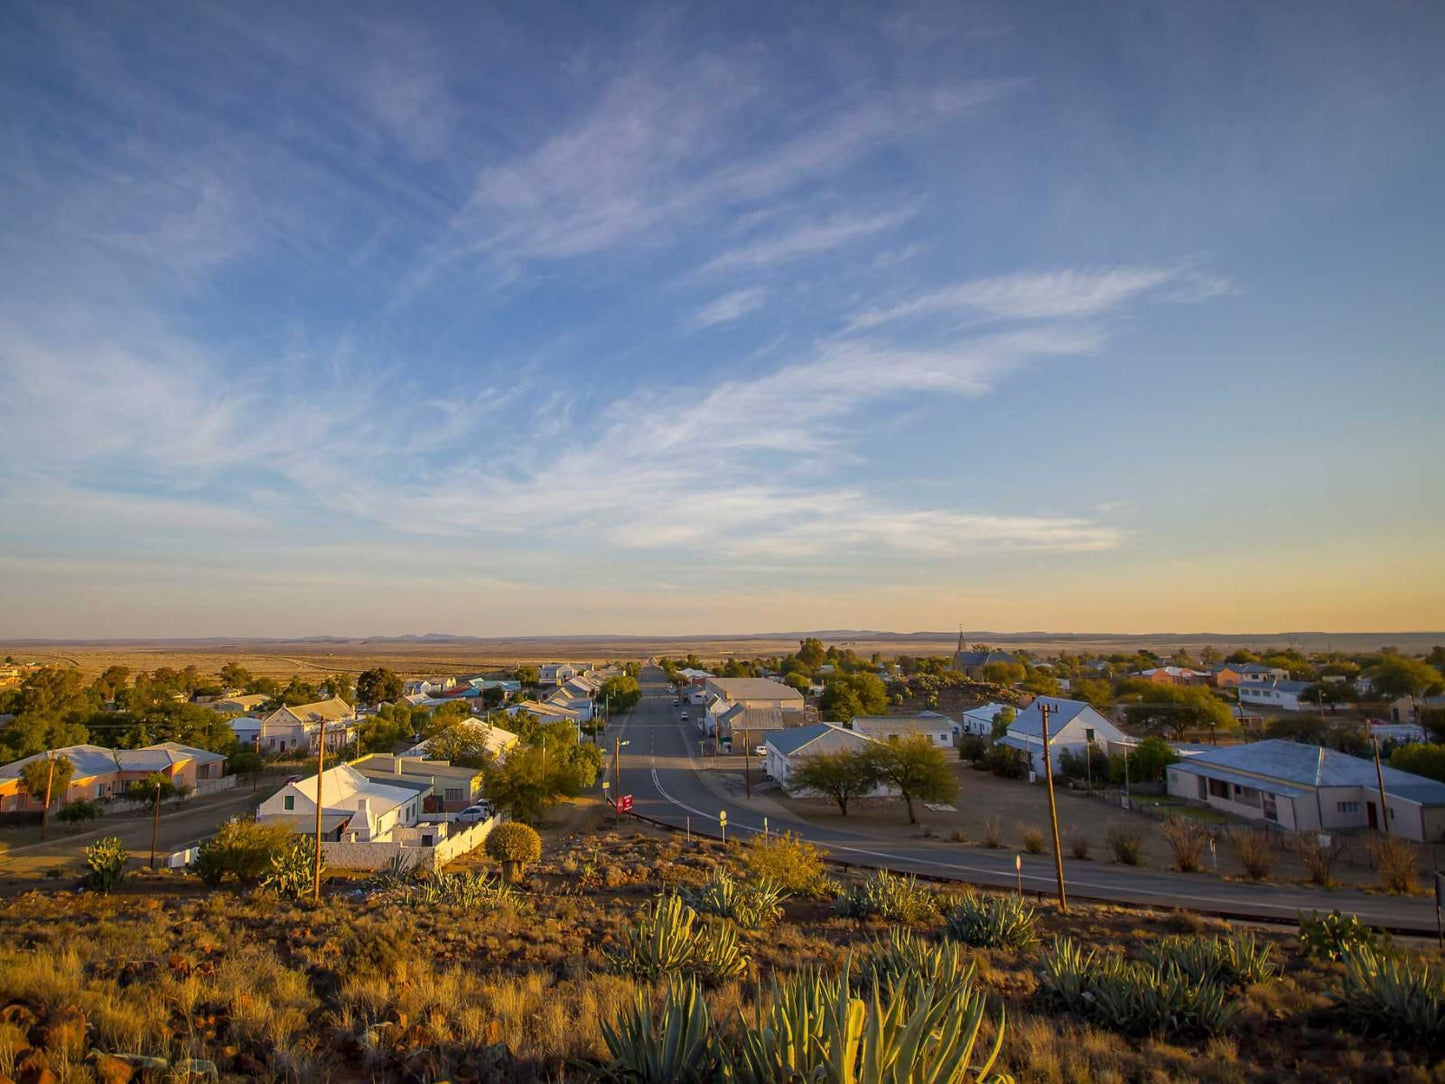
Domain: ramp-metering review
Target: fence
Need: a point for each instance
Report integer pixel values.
(379, 855)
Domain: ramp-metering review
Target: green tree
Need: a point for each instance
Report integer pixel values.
(515, 846)
(1002, 720)
(1396, 675)
(394, 725)
(377, 685)
(1176, 709)
(31, 734)
(620, 693)
(798, 680)
(235, 676)
(58, 692)
(1308, 729)
(338, 685)
(46, 780)
(916, 768)
(812, 653)
(1002, 673)
(464, 746)
(1148, 760)
(1426, 760)
(1099, 695)
(528, 675)
(848, 695)
(532, 777)
(1332, 693)
(1042, 683)
(242, 849)
(841, 776)
(111, 682)
(246, 762)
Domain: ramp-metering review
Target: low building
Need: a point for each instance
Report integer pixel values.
(302, 726)
(240, 705)
(786, 749)
(247, 729)
(1310, 788)
(938, 729)
(979, 721)
(99, 774)
(1279, 695)
(1397, 733)
(770, 705)
(1175, 675)
(497, 742)
(453, 787)
(555, 673)
(354, 808)
(1073, 727)
(1233, 674)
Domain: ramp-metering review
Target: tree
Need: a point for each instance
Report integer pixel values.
(514, 846)
(235, 676)
(798, 680)
(1041, 683)
(248, 762)
(378, 684)
(111, 682)
(841, 776)
(1395, 675)
(1002, 720)
(338, 685)
(1149, 759)
(154, 788)
(1176, 709)
(916, 768)
(1426, 760)
(532, 777)
(848, 695)
(1099, 695)
(57, 692)
(620, 694)
(464, 746)
(1002, 673)
(527, 675)
(46, 780)
(1332, 693)
(811, 652)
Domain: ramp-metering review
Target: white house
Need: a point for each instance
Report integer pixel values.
(1073, 727)
(288, 729)
(1310, 788)
(722, 695)
(239, 705)
(1280, 695)
(787, 748)
(979, 721)
(247, 729)
(497, 742)
(353, 808)
(555, 673)
(938, 729)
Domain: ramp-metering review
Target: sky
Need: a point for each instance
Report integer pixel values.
(340, 319)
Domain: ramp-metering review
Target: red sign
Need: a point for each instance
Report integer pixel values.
(624, 804)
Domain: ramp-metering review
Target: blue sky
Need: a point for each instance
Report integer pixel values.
(617, 318)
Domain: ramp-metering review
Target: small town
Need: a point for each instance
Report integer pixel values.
(668, 543)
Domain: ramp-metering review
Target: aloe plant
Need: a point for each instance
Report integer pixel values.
(677, 1047)
(990, 922)
(752, 906)
(1238, 959)
(901, 956)
(667, 942)
(1386, 994)
(887, 895)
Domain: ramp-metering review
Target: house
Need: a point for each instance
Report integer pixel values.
(1073, 727)
(750, 725)
(1175, 675)
(101, 774)
(1405, 709)
(546, 712)
(453, 787)
(1397, 733)
(555, 673)
(247, 729)
(1234, 674)
(354, 807)
(753, 705)
(239, 705)
(1280, 695)
(288, 729)
(979, 721)
(938, 729)
(1310, 788)
(971, 663)
(496, 740)
(787, 748)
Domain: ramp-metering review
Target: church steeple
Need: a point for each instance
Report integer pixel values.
(960, 637)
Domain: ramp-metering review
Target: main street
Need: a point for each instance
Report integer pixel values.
(661, 769)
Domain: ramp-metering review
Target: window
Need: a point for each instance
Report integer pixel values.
(454, 794)
(1347, 807)
(289, 802)
(1218, 788)
(1089, 734)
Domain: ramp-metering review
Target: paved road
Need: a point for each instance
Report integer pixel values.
(669, 782)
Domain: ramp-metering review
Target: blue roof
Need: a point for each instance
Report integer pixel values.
(1061, 714)
(1312, 766)
(790, 740)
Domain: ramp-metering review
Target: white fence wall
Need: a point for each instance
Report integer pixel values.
(380, 855)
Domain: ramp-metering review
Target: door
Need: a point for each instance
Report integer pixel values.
(1370, 814)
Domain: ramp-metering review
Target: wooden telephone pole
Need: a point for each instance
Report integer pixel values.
(1380, 782)
(1053, 809)
(49, 782)
(320, 762)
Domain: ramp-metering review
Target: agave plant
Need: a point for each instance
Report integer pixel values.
(667, 942)
(752, 906)
(676, 1047)
(990, 922)
(472, 891)
(1236, 960)
(901, 956)
(293, 871)
(1386, 994)
(887, 895)
(106, 860)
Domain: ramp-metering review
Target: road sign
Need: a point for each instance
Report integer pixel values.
(624, 804)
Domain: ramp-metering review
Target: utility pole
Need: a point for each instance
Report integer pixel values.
(1380, 781)
(155, 818)
(747, 763)
(320, 763)
(1053, 809)
(49, 782)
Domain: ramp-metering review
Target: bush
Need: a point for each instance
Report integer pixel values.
(1187, 838)
(992, 832)
(1133, 998)
(1006, 762)
(1238, 960)
(106, 859)
(901, 957)
(990, 922)
(785, 860)
(1334, 935)
(1255, 851)
(1033, 841)
(887, 895)
(1079, 846)
(471, 891)
(1386, 995)
(752, 906)
(668, 941)
(1317, 857)
(1126, 842)
(1396, 863)
(514, 846)
(972, 748)
(293, 871)
(78, 811)
(242, 849)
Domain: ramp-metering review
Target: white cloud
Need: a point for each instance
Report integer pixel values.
(730, 307)
(807, 240)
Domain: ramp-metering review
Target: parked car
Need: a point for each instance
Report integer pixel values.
(474, 813)
(291, 779)
(684, 717)
(760, 750)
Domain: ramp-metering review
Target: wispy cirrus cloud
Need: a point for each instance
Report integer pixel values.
(807, 240)
(729, 307)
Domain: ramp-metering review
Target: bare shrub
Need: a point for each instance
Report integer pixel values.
(1255, 851)
(1187, 838)
(1125, 842)
(1396, 862)
(1079, 845)
(1318, 857)
(1033, 841)
(992, 832)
